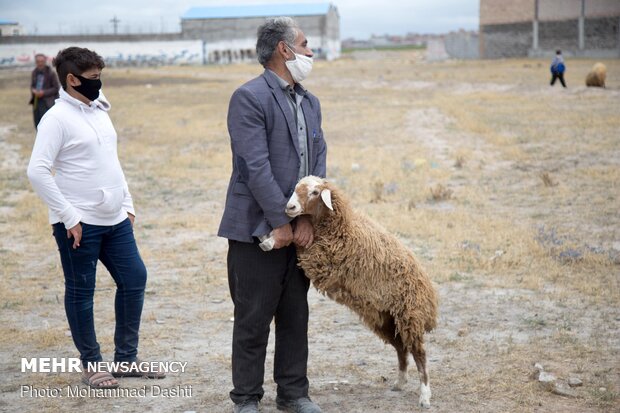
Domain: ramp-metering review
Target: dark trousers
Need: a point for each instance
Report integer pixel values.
(560, 76)
(116, 248)
(264, 285)
(38, 110)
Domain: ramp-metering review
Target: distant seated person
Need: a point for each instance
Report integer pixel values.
(43, 88)
(558, 68)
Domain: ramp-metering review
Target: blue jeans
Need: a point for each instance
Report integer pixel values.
(116, 248)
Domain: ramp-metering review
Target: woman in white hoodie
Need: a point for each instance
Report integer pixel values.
(90, 209)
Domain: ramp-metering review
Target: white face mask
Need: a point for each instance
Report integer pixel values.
(299, 68)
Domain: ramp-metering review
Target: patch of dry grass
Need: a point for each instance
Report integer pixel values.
(523, 195)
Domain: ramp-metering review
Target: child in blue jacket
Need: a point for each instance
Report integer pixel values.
(558, 68)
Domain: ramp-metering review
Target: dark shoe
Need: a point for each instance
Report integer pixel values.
(301, 405)
(248, 406)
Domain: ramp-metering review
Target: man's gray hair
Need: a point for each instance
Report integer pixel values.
(272, 32)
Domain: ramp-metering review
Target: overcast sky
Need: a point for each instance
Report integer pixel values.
(358, 18)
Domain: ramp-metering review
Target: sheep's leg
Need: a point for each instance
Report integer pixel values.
(419, 355)
(387, 331)
(402, 354)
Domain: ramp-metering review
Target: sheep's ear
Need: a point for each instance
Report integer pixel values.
(326, 196)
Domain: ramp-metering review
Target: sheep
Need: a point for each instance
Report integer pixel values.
(597, 75)
(357, 263)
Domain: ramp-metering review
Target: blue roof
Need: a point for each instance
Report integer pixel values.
(3, 21)
(259, 10)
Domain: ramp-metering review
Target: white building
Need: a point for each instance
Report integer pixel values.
(10, 28)
(209, 35)
(228, 33)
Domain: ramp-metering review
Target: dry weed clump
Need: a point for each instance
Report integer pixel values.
(548, 181)
(440, 193)
(377, 192)
(459, 162)
(411, 205)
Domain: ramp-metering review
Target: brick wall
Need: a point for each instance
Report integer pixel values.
(553, 10)
(602, 33)
(506, 11)
(505, 40)
(558, 35)
(506, 27)
(602, 8)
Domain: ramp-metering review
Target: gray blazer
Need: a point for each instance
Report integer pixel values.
(265, 154)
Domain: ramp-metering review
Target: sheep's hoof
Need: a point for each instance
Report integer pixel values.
(400, 382)
(425, 396)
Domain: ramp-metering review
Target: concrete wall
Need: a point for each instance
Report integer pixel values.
(558, 35)
(244, 50)
(102, 38)
(549, 10)
(506, 11)
(331, 44)
(332, 22)
(507, 32)
(461, 45)
(597, 32)
(517, 11)
(602, 8)
(145, 53)
(436, 50)
(505, 40)
(553, 10)
(214, 30)
(230, 36)
(216, 41)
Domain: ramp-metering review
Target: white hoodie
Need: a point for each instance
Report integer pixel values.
(79, 142)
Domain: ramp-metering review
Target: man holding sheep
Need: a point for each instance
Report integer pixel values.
(276, 139)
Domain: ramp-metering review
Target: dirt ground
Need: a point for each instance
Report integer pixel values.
(507, 190)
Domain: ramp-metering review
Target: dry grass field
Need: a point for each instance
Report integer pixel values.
(507, 190)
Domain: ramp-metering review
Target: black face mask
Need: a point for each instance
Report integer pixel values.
(89, 88)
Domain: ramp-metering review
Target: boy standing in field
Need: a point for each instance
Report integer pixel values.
(90, 209)
(558, 68)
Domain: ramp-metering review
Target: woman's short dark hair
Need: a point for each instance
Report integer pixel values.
(75, 60)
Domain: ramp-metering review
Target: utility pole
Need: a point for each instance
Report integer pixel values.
(115, 21)
(535, 27)
(581, 24)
